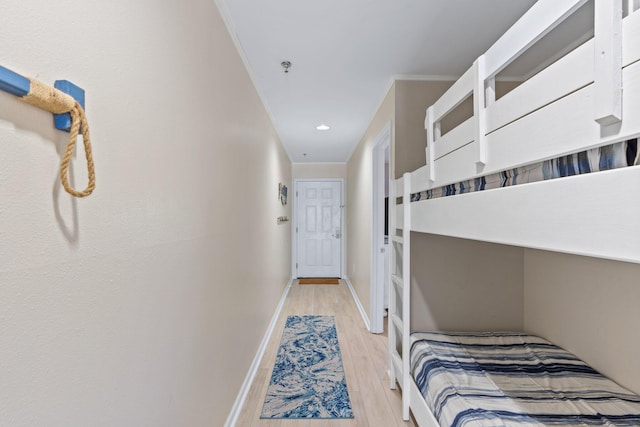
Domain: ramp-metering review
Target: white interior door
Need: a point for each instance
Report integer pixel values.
(319, 228)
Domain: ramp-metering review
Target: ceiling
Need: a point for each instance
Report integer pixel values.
(345, 55)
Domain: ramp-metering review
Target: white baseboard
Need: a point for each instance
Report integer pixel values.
(363, 313)
(232, 419)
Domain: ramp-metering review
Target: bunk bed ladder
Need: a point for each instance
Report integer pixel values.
(395, 362)
(399, 298)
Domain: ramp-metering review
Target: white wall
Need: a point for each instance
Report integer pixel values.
(144, 304)
(319, 170)
(465, 285)
(588, 306)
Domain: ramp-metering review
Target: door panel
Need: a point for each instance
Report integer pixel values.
(319, 235)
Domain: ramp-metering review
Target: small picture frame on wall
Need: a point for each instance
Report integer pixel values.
(282, 193)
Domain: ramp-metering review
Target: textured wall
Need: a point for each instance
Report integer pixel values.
(144, 304)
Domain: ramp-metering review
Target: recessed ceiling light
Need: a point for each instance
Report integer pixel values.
(323, 127)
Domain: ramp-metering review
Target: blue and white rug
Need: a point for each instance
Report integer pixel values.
(308, 378)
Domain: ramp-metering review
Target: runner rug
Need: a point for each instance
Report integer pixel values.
(308, 377)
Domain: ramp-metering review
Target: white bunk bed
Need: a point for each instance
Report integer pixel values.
(588, 99)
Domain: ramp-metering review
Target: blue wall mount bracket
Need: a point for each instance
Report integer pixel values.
(15, 84)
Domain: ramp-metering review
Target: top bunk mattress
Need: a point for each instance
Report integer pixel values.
(613, 156)
(513, 379)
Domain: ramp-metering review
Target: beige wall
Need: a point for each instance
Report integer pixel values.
(465, 285)
(588, 306)
(144, 304)
(359, 201)
(319, 170)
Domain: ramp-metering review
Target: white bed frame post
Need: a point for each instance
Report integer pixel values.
(395, 246)
(406, 296)
(608, 61)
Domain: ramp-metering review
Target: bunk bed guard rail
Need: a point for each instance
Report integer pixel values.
(479, 80)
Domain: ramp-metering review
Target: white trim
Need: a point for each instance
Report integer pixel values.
(318, 163)
(232, 419)
(427, 77)
(294, 224)
(363, 313)
(343, 271)
(294, 229)
(377, 282)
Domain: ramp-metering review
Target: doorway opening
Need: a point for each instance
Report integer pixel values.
(380, 274)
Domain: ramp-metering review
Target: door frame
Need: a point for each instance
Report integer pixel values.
(294, 224)
(378, 279)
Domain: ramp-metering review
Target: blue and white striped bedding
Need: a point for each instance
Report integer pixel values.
(513, 379)
(613, 156)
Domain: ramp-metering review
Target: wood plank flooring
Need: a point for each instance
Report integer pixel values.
(364, 356)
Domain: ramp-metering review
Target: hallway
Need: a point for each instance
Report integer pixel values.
(364, 356)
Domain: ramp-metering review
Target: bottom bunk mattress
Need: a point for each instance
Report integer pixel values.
(505, 379)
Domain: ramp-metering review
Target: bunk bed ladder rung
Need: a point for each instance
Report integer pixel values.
(396, 361)
(397, 239)
(397, 322)
(397, 280)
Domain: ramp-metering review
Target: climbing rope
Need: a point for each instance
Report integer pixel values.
(58, 102)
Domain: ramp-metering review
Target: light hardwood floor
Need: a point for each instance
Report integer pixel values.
(364, 356)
